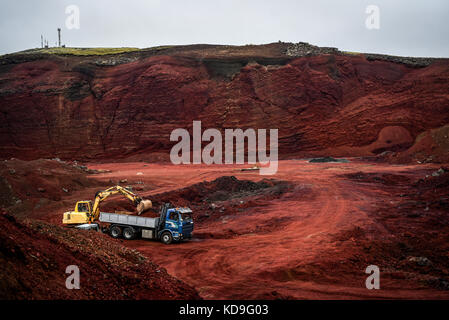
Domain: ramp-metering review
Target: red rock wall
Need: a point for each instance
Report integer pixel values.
(71, 108)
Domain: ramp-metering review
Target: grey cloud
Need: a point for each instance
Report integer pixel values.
(410, 28)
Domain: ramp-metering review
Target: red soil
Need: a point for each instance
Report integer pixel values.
(312, 240)
(29, 185)
(307, 232)
(34, 257)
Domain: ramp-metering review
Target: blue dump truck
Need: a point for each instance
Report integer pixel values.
(173, 224)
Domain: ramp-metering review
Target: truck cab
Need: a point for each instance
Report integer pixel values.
(179, 222)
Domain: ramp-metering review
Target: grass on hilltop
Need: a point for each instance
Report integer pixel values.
(352, 53)
(86, 51)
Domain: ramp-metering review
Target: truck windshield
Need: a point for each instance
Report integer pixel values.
(186, 216)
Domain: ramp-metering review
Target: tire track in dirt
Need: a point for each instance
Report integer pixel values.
(298, 259)
(236, 263)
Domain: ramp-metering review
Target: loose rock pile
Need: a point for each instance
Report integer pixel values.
(301, 49)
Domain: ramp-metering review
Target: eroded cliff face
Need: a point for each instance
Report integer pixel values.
(125, 106)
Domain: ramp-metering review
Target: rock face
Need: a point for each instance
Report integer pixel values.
(125, 106)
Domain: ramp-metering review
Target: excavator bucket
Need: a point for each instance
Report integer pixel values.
(143, 206)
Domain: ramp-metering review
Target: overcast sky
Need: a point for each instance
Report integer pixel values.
(408, 28)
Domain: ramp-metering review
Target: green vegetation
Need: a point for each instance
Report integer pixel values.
(86, 51)
(352, 53)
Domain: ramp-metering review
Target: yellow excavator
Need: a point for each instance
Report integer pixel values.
(85, 213)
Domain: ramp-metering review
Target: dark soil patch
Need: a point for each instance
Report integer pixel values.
(224, 196)
(328, 159)
(222, 189)
(383, 178)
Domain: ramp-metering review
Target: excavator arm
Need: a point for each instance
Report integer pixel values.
(78, 217)
(103, 195)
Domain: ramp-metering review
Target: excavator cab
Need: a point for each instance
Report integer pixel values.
(81, 214)
(84, 206)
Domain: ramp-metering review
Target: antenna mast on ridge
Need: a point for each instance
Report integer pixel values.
(59, 37)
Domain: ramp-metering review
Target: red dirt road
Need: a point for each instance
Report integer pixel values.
(314, 241)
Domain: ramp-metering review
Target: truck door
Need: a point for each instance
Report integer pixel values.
(172, 222)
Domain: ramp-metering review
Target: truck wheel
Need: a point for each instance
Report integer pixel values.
(166, 238)
(116, 232)
(129, 233)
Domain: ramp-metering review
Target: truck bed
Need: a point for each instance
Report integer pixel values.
(130, 220)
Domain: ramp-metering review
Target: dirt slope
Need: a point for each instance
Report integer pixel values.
(323, 101)
(27, 187)
(34, 256)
